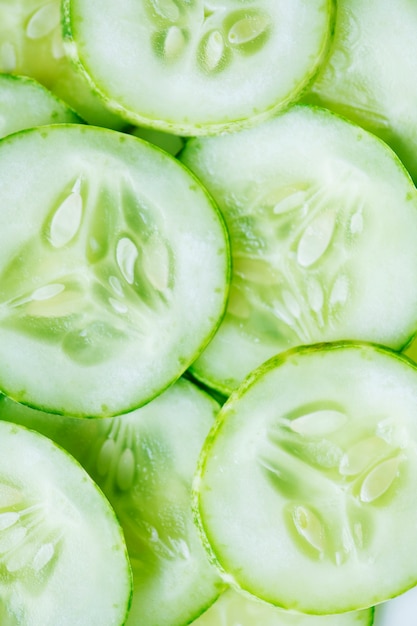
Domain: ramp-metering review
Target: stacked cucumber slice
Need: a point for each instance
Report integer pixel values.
(310, 202)
(208, 271)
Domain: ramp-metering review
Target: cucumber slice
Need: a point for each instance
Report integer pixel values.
(31, 44)
(144, 462)
(311, 202)
(197, 67)
(236, 609)
(63, 558)
(114, 275)
(367, 74)
(306, 493)
(25, 103)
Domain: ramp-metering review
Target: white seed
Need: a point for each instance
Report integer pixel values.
(12, 538)
(167, 9)
(340, 291)
(356, 223)
(362, 454)
(126, 255)
(57, 45)
(8, 519)
(47, 292)
(156, 262)
(248, 28)
(9, 496)
(310, 527)
(291, 303)
(319, 423)
(125, 470)
(213, 50)
(379, 480)
(316, 238)
(116, 285)
(105, 456)
(315, 295)
(174, 42)
(44, 20)
(294, 200)
(118, 306)
(43, 556)
(67, 219)
(8, 57)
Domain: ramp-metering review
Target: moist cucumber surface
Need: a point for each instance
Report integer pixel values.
(193, 66)
(235, 609)
(25, 103)
(144, 462)
(112, 277)
(366, 76)
(306, 490)
(63, 558)
(31, 44)
(311, 203)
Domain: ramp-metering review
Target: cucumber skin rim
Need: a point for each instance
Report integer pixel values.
(196, 129)
(227, 269)
(21, 79)
(228, 409)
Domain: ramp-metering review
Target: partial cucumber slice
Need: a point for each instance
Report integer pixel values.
(197, 66)
(307, 487)
(63, 558)
(144, 462)
(31, 44)
(311, 202)
(113, 272)
(236, 609)
(368, 75)
(25, 103)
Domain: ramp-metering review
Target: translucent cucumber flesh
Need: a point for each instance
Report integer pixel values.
(367, 74)
(24, 103)
(213, 59)
(62, 555)
(308, 476)
(144, 463)
(31, 45)
(115, 280)
(235, 609)
(310, 202)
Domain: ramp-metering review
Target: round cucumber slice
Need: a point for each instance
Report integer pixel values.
(31, 44)
(367, 74)
(311, 202)
(144, 462)
(306, 493)
(113, 271)
(235, 609)
(25, 103)
(197, 66)
(63, 558)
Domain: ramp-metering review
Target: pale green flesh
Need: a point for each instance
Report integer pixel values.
(197, 66)
(24, 103)
(31, 45)
(236, 609)
(311, 203)
(144, 463)
(113, 278)
(63, 558)
(306, 492)
(368, 76)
